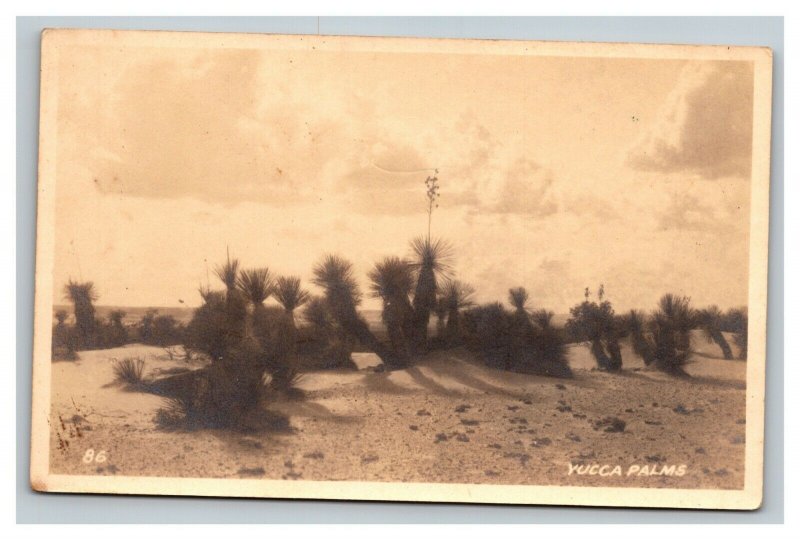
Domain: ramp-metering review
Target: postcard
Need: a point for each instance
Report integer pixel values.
(401, 269)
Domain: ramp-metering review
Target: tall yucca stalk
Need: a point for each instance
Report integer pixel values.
(335, 275)
(431, 262)
(455, 297)
(83, 295)
(710, 320)
(391, 280)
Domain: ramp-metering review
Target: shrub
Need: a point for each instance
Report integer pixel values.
(129, 371)
(670, 325)
(596, 323)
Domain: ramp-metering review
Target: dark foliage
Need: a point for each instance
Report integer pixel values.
(710, 320)
(83, 295)
(391, 280)
(431, 262)
(129, 371)
(596, 323)
(511, 341)
(342, 296)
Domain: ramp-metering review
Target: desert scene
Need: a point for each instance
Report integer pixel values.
(325, 263)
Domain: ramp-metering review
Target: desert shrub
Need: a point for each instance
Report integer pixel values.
(391, 280)
(63, 343)
(642, 346)
(206, 332)
(431, 263)
(511, 341)
(83, 295)
(129, 371)
(595, 322)
(710, 321)
(322, 340)
(669, 325)
(342, 296)
(456, 296)
(735, 322)
(487, 329)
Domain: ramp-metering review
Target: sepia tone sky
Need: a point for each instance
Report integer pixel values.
(556, 173)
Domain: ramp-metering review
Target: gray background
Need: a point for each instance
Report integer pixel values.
(54, 508)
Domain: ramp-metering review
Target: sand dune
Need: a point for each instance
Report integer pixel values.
(448, 419)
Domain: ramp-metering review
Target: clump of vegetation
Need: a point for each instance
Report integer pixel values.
(596, 323)
(63, 338)
(670, 326)
(431, 263)
(324, 340)
(663, 339)
(735, 322)
(456, 296)
(391, 280)
(710, 320)
(516, 340)
(83, 295)
(342, 296)
(129, 371)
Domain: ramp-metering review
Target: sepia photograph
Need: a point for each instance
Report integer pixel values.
(401, 269)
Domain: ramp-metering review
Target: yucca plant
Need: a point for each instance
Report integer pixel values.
(669, 325)
(335, 275)
(456, 296)
(637, 326)
(710, 321)
(235, 301)
(522, 335)
(683, 319)
(391, 280)
(118, 335)
(332, 343)
(129, 371)
(83, 295)
(596, 323)
(431, 262)
(255, 283)
(290, 294)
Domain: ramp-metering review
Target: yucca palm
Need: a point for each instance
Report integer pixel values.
(682, 318)
(235, 301)
(455, 297)
(391, 280)
(637, 322)
(290, 294)
(431, 262)
(335, 275)
(518, 298)
(543, 318)
(710, 320)
(256, 284)
(669, 326)
(83, 295)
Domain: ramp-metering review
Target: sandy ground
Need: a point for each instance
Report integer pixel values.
(448, 419)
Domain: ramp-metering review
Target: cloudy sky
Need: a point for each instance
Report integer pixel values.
(556, 173)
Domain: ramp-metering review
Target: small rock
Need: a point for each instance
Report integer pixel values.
(467, 422)
(491, 473)
(561, 386)
(423, 412)
(412, 427)
(494, 445)
(699, 450)
(314, 455)
(440, 437)
(251, 471)
(656, 458)
(463, 408)
(544, 441)
(462, 438)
